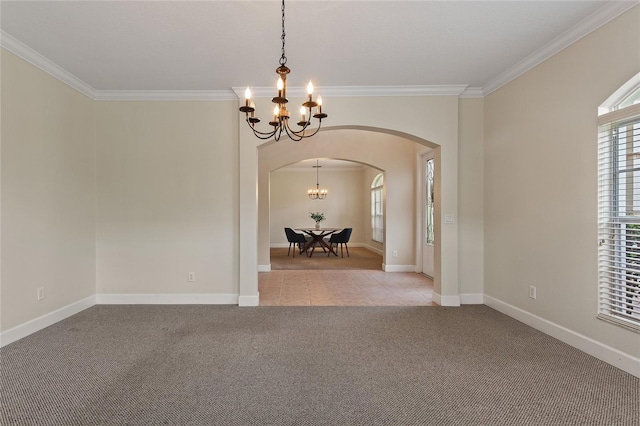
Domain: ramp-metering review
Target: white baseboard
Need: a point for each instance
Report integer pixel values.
(398, 268)
(446, 300)
(372, 248)
(471, 299)
(610, 355)
(249, 300)
(264, 268)
(30, 327)
(167, 299)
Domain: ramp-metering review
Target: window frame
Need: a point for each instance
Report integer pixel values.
(619, 217)
(377, 208)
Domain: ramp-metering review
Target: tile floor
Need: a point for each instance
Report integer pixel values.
(344, 288)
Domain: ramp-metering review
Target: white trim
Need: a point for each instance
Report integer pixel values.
(619, 95)
(472, 299)
(37, 324)
(446, 300)
(249, 300)
(610, 355)
(606, 13)
(472, 93)
(398, 268)
(371, 248)
(167, 299)
(340, 91)
(28, 54)
(264, 268)
(165, 95)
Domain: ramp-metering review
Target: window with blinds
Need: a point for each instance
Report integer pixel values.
(619, 217)
(377, 223)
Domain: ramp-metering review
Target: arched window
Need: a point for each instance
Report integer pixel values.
(377, 222)
(619, 206)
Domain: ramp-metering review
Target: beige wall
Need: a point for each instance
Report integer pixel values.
(48, 193)
(290, 205)
(541, 181)
(471, 196)
(167, 204)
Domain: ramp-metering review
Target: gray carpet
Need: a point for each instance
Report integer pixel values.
(223, 365)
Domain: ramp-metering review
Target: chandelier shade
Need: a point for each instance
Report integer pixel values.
(317, 193)
(281, 116)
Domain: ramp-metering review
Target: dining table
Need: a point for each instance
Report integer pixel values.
(317, 238)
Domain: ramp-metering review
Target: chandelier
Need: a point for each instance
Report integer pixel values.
(281, 114)
(317, 193)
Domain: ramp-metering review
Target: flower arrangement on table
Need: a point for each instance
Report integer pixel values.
(318, 217)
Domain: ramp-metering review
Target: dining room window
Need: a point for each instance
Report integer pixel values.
(377, 222)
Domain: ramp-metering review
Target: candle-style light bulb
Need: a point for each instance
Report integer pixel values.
(302, 112)
(310, 91)
(276, 112)
(319, 101)
(280, 86)
(247, 96)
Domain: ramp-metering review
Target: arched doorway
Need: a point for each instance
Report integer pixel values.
(329, 143)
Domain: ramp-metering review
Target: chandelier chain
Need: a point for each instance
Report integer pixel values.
(283, 58)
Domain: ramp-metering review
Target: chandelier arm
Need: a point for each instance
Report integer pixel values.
(294, 136)
(301, 133)
(257, 132)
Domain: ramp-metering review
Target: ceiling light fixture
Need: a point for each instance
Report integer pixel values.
(317, 193)
(281, 115)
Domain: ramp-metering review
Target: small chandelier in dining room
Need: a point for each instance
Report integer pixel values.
(281, 114)
(317, 193)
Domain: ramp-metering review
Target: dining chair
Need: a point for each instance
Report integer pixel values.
(295, 238)
(340, 238)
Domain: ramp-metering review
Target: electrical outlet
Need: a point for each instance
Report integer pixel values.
(532, 292)
(394, 253)
(191, 277)
(40, 293)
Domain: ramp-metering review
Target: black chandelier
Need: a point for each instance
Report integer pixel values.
(281, 114)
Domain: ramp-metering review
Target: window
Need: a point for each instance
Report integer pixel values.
(377, 223)
(429, 235)
(619, 216)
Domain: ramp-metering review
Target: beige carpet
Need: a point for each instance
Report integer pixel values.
(360, 258)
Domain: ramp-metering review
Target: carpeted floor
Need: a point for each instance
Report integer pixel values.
(359, 258)
(224, 365)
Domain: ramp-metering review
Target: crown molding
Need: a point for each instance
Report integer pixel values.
(606, 13)
(28, 54)
(358, 91)
(165, 95)
(472, 93)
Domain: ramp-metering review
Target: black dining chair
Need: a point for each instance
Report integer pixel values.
(295, 238)
(341, 238)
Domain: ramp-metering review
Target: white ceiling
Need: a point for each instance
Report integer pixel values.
(218, 45)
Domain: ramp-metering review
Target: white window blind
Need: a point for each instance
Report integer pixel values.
(619, 217)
